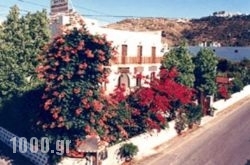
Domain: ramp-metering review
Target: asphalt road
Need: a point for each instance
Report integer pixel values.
(223, 141)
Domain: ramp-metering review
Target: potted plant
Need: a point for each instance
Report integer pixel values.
(128, 151)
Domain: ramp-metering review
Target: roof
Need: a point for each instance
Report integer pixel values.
(222, 80)
(91, 144)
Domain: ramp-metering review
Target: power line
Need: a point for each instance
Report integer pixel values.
(33, 3)
(114, 16)
(87, 9)
(8, 7)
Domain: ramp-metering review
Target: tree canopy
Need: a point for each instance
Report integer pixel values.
(181, 58)
(205, 71)
(21, 39)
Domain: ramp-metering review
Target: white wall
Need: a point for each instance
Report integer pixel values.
(132, 39)
(222, 104)
(148, 141)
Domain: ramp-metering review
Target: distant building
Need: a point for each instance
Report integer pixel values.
(209, 44)
(226, 14)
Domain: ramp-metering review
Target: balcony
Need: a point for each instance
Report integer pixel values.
(138, 60)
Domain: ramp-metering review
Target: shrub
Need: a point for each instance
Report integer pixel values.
(180, 121)
(223, 92)
(152, 104)
(128, 151)
(193, 114)
(237, 85)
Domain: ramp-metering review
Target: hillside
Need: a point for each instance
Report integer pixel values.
(228, 31)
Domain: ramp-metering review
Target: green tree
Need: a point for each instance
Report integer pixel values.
(21, 38)
(181, 58)
(205, 73)
(244, 67)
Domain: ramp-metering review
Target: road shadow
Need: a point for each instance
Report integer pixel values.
(248, 162)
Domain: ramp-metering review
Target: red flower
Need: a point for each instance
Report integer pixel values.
(97, 105)
(78, 111)
(89, 93)
(66, 58)
(55, 93)
(55, 115)
(87, 129)
(100, 67)
(89, 53)
(61, 95)
(60, 78)
(52, 76)
(81, 43)
(101, 53)
(76, 90)
(84, 101)
(101, 58)
(83, 65)
(60, 119)
(40, 76)
(47, 104)
(223, 92)
(136, 112)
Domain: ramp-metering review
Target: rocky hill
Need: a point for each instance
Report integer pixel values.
(228, 31)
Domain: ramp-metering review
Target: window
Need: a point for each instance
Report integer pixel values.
(152, 76)
(153, 54)
(124, 53)
(139, 54)
(138, 81)
(123, 80)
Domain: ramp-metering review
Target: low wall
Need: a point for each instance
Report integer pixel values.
(222, 104)
(148, 141)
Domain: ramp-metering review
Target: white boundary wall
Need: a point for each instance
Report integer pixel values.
(222, 104)
(148, 141)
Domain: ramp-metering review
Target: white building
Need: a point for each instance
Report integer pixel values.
(139, 53)
(209, 44)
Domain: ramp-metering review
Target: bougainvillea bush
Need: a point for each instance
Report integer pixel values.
(152, 104)
(73, 67)
(223, 92)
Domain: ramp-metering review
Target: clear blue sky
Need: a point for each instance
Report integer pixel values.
(141, 8)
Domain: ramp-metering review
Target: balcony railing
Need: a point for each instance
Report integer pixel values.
(138, 60)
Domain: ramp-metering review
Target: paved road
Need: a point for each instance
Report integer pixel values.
(224, 141)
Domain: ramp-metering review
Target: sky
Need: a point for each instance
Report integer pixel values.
(115, 10)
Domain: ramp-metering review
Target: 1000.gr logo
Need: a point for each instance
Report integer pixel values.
(22, 145)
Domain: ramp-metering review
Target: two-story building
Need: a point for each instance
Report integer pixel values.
(139, 53)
